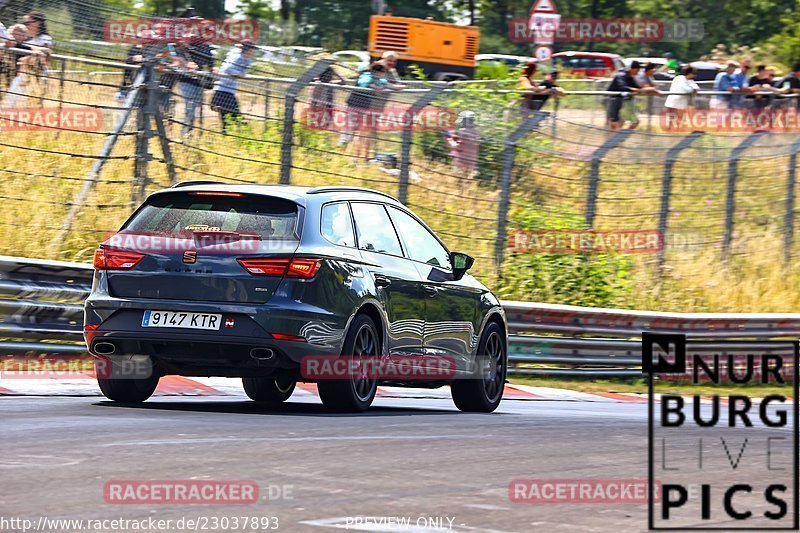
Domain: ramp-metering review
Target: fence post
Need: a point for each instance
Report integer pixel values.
(164, 140)
(788, 235)
(407, 137)
(144, 132)
(509, 154)
(99, 163)
(730, 198)
(266, 105)
(594, 173)
(554, 121)
(666, 186)
(61, 76)
(288, 117)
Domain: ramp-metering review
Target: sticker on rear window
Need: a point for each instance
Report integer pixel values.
(201, 227)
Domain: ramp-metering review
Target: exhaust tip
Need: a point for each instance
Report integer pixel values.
(262, 354)
(104, 348)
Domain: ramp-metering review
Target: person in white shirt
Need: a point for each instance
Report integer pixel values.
(684, 85)
(36, 24)
(3, 34)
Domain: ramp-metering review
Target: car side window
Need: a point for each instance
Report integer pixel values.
(374, 229)
(420, 244)
(337, 226)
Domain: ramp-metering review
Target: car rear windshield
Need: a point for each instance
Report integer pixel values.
(187, 212)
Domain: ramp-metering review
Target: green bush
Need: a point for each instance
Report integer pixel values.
(599, 280)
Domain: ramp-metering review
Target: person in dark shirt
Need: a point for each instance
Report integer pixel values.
(550, 89)
(194, 57)
(621, 107)
(532, 89)
(148, 48)
(791, 84)
(759, 83)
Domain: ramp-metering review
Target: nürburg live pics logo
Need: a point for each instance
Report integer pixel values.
(722, 433)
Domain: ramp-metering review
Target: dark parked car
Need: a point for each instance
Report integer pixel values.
(252, 281)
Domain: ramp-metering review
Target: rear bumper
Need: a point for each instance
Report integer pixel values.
(243, 328)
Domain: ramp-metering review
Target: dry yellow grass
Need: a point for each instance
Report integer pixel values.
(37, 186)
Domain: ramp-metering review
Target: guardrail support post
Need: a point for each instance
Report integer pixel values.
(594, 172)
(288, 117)
(730, 197)
(788, 236)
(666, 186)
(509, 154)
(407, 137)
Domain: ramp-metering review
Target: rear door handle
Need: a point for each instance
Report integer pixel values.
(382, 281)
(430, 290)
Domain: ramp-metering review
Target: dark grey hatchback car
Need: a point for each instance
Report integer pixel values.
(277, 284)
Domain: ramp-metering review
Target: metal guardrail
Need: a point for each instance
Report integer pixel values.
(41, 314)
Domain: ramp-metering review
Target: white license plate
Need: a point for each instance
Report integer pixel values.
(172, 319)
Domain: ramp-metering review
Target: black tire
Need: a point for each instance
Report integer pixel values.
(355, 394)
(269, 390)
(483, 394)
(126, 390)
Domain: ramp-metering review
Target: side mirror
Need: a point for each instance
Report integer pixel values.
(461, 263)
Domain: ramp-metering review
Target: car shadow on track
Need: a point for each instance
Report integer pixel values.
(284, 409)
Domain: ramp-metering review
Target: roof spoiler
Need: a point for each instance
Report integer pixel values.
(196, 182)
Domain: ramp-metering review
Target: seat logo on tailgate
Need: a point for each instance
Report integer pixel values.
(190, 256)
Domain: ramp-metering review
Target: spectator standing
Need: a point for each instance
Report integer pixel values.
(727, 82)
(645, 78)
(791, 85)
(232, 70)
(672, 66)
(21, 69)
(195, 57)
(776, 82)
(389, 59)
(40, 41)
(741, 81)
(464, 144)
(36, 24)
(685, 87)
(527, 83)
(322, 108)
(621, 107)
(363, 107)
(760, 83)
(551, 88)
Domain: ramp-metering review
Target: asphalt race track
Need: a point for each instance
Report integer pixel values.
(405, 457)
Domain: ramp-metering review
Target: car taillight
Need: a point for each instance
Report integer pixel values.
(217, 193)
(303, 268)
(116, 259)
(281, 266)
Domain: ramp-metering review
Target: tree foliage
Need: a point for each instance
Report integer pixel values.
(344, 23)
